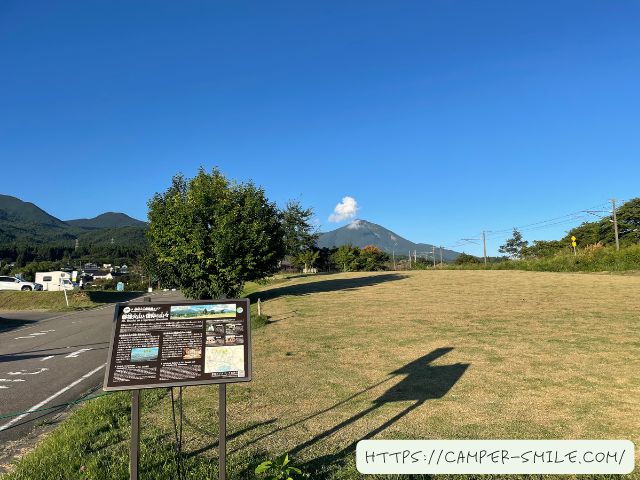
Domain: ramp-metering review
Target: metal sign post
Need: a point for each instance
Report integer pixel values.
(222, 436)
(135, 433)
(176, 345)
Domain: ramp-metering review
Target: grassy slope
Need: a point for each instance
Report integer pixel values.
(54, 301)
(434, 354)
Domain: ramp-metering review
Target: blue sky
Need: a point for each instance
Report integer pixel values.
(440, 118)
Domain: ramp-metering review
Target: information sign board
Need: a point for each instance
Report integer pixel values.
(179, 344)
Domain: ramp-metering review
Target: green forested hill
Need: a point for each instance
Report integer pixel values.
(29, 233)
(360, 233)
(106, 220)
(24, 221)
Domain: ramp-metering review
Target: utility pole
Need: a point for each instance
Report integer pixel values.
(615, 222)
(440, 254)
(433, 252)
(484, 243)
(409, 258)
(393, 253)
(415, 257)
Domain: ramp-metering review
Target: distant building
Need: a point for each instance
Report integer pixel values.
(98, 274)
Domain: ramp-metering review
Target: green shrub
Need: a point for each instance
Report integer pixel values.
(464, 258)
(596, 258)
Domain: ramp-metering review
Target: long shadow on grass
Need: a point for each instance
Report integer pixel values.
(229, 437)
(422, 382)
(329, 285)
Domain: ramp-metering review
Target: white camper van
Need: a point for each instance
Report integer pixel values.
(54, 281)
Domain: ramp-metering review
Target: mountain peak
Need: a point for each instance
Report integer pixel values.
(356, 224)
(107, 220)
(361, 233)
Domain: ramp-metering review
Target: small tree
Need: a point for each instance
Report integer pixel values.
(209, 236)
(326, 261)
(308, 258)
(371, 258)
(299, 234)
(346, 258)
(515, 245)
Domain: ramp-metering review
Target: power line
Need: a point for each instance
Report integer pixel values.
(579, 215)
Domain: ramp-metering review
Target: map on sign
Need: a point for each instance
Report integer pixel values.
(187, 343)
(224, 360)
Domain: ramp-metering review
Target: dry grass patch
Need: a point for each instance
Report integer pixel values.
(427, 354)
(549, 355)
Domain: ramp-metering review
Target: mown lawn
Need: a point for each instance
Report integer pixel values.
(426, 354)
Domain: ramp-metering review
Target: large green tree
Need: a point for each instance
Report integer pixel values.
(210, 235)
(629, 221)
(602, 231)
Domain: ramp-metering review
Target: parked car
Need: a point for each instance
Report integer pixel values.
(13, 283)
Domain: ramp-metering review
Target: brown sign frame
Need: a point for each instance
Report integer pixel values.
(108, 384)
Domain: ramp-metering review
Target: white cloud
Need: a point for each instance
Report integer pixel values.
(346, 209)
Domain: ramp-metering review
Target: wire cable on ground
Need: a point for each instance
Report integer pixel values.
(82, 399)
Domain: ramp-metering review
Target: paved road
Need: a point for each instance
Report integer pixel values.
(48, 359)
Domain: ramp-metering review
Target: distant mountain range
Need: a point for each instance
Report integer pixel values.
(24, 222)
(360, 233)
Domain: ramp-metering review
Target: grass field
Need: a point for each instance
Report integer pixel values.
(55, 301)
(424, 354)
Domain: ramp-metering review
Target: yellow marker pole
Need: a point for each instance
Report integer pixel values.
(573, 244)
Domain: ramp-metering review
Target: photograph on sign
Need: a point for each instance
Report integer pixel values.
(187, 343)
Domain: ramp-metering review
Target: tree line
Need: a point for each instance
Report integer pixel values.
(596, 234)
(209, 236)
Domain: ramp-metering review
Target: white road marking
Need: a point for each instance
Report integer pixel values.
(3, 386)
(35, 334)
(11, 379)
(77, 352)
(47, 358)
(48, 399)
(22, 372)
